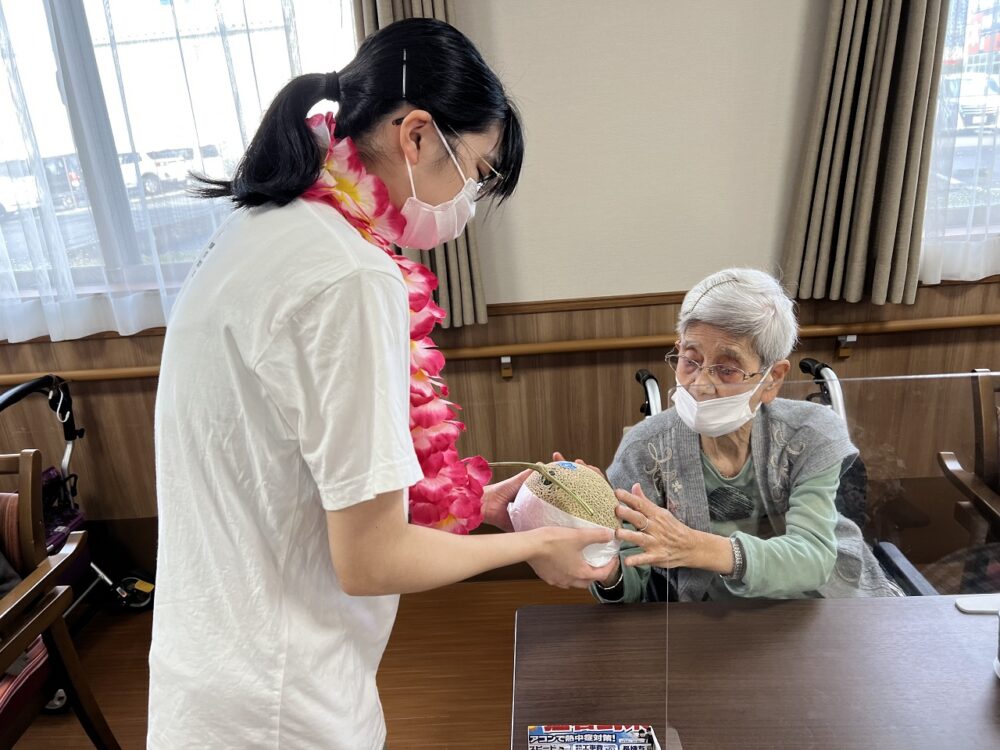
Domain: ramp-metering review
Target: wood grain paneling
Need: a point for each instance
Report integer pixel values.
(579, 403)
(576, 403)
(115, 457)
(825, 674)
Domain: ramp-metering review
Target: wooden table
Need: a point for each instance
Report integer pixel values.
(446, 677)
(859, 673)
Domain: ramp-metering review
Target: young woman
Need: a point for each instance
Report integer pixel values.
(283, 441)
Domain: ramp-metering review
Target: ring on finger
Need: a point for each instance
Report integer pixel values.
(645, 525)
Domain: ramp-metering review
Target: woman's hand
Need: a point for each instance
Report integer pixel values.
(496, 498)
(666, 542)
(559, 560)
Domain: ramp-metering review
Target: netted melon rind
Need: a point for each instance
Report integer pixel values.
(586, 483)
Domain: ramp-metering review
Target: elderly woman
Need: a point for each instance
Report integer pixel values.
(732, 489)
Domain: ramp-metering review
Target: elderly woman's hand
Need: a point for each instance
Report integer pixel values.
(666, 542)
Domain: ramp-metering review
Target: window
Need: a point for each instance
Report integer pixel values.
(961, 236)
(163, 87)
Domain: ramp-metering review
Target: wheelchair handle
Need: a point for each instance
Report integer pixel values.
(811, 366)
(651, 406)
(60, 401)
(830, 392)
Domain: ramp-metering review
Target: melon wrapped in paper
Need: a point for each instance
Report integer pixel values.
(569, 495)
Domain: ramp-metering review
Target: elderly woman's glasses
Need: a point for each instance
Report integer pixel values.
(687, 367)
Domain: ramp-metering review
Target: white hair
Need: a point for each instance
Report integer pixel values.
(745, 303)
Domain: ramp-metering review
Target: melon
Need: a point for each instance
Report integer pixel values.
(594, 499)
(568, 495)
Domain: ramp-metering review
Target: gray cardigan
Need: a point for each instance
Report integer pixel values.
(790, 441)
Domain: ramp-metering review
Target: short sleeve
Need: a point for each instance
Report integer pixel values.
(338, 373)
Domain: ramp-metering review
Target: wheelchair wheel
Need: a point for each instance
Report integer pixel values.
(138, 593)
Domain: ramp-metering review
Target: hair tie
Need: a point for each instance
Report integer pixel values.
(331, 86)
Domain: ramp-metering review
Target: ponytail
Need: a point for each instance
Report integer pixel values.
(444, 75)
(283, 159)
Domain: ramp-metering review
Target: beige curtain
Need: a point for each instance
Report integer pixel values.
(856, 226)
(460, 289)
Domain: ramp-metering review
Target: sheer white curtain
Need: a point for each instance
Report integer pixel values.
(108, 104)
(961, 238)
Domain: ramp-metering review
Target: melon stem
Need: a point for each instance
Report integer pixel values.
(543, 470)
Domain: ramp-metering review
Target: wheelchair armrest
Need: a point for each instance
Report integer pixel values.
(902, 570)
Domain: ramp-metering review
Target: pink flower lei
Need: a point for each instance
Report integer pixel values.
(449, 497)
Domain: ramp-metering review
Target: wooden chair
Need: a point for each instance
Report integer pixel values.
(31, 615)
(981, 486)
(986, 416)
(979, 512)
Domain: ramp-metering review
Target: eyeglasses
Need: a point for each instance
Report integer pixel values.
(687, 367)
(482, 181)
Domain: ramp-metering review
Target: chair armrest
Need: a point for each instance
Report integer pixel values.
(51, 607)
(902, 570)
(972, 521)
(39, 581)
(71, 549)
(975, 489)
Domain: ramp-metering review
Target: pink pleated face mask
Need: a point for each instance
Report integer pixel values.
(428, 226)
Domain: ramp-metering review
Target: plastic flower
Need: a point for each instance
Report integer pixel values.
(426, 357)
(361, 198)
(420, 282)
(449, 497)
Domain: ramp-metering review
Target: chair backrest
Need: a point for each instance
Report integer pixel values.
(22, 528)
(986, 416)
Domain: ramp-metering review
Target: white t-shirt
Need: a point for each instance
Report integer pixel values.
(283, 393)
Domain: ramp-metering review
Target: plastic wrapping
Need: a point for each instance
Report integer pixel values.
(529, 512)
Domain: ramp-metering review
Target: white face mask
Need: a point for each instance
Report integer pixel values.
(717, 416)
(428, 226)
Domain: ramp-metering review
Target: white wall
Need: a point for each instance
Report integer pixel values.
(663, 138)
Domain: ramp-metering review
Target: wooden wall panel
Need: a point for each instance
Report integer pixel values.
(115, 457)
(576, 403)
(579, 403)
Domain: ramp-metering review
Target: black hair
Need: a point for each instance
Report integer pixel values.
(445, 75)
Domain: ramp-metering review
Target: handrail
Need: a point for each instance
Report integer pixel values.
(79, 376)
(654, 342)
(578, 345)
